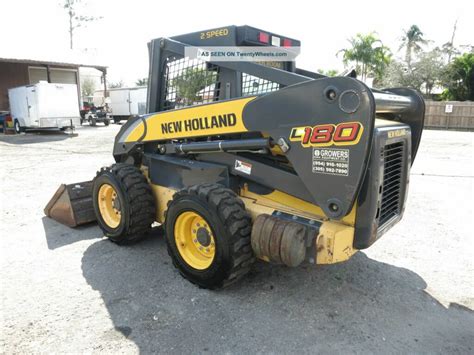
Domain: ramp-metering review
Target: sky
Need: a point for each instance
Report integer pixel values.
(119, 39)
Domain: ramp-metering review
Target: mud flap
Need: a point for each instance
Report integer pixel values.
(72, 204)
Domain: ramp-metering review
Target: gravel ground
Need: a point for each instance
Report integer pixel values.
(71, 291)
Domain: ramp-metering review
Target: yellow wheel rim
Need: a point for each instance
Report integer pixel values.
(109, 205)
(194, 240)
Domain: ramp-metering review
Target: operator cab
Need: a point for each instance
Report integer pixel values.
(212, 82)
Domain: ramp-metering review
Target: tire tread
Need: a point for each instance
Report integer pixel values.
(140, 199)
(231, 211)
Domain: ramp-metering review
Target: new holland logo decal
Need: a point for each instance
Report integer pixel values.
(326, 135)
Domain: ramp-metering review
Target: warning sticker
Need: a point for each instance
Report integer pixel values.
(243, 167)
(331, 161)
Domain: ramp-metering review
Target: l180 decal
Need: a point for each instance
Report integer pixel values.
(326, 135)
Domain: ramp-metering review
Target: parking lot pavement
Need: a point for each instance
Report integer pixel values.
(70, 290)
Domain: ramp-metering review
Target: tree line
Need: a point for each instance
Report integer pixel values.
(446, 66)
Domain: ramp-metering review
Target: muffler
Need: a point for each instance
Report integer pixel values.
(72, 204)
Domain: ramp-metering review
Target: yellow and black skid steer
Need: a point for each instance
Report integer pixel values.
(244, 160)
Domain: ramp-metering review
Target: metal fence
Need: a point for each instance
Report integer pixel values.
(452, 115)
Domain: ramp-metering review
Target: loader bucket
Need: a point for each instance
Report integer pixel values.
(72, 204)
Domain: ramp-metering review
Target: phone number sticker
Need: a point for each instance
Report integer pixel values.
(331, 161)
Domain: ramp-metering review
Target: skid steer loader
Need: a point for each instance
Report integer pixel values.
(244, 160)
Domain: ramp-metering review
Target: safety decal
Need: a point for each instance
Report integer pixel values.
(243, 167)
(331, 161)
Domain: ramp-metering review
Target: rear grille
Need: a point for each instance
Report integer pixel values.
(392, 180)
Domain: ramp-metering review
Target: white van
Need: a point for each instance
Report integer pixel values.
(44, 106)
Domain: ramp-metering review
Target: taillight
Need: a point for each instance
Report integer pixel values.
(264, 37)
(8, 121)
(286, 42)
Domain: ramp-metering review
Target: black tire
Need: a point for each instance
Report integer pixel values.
(82, 121)
(92, 121)
(106, 122)
(116, 120)
(137, 205)
(17, 127)
(231, 226)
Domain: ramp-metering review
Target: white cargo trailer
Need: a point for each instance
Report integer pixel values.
(127, 102)
(44, 106)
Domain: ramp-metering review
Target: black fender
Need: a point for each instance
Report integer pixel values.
(327, 101)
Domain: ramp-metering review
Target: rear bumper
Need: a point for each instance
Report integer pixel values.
(59, 122)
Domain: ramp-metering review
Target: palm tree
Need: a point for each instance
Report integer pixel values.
(115, 84)
(142, 82)
(368, 54)
(412, 40)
